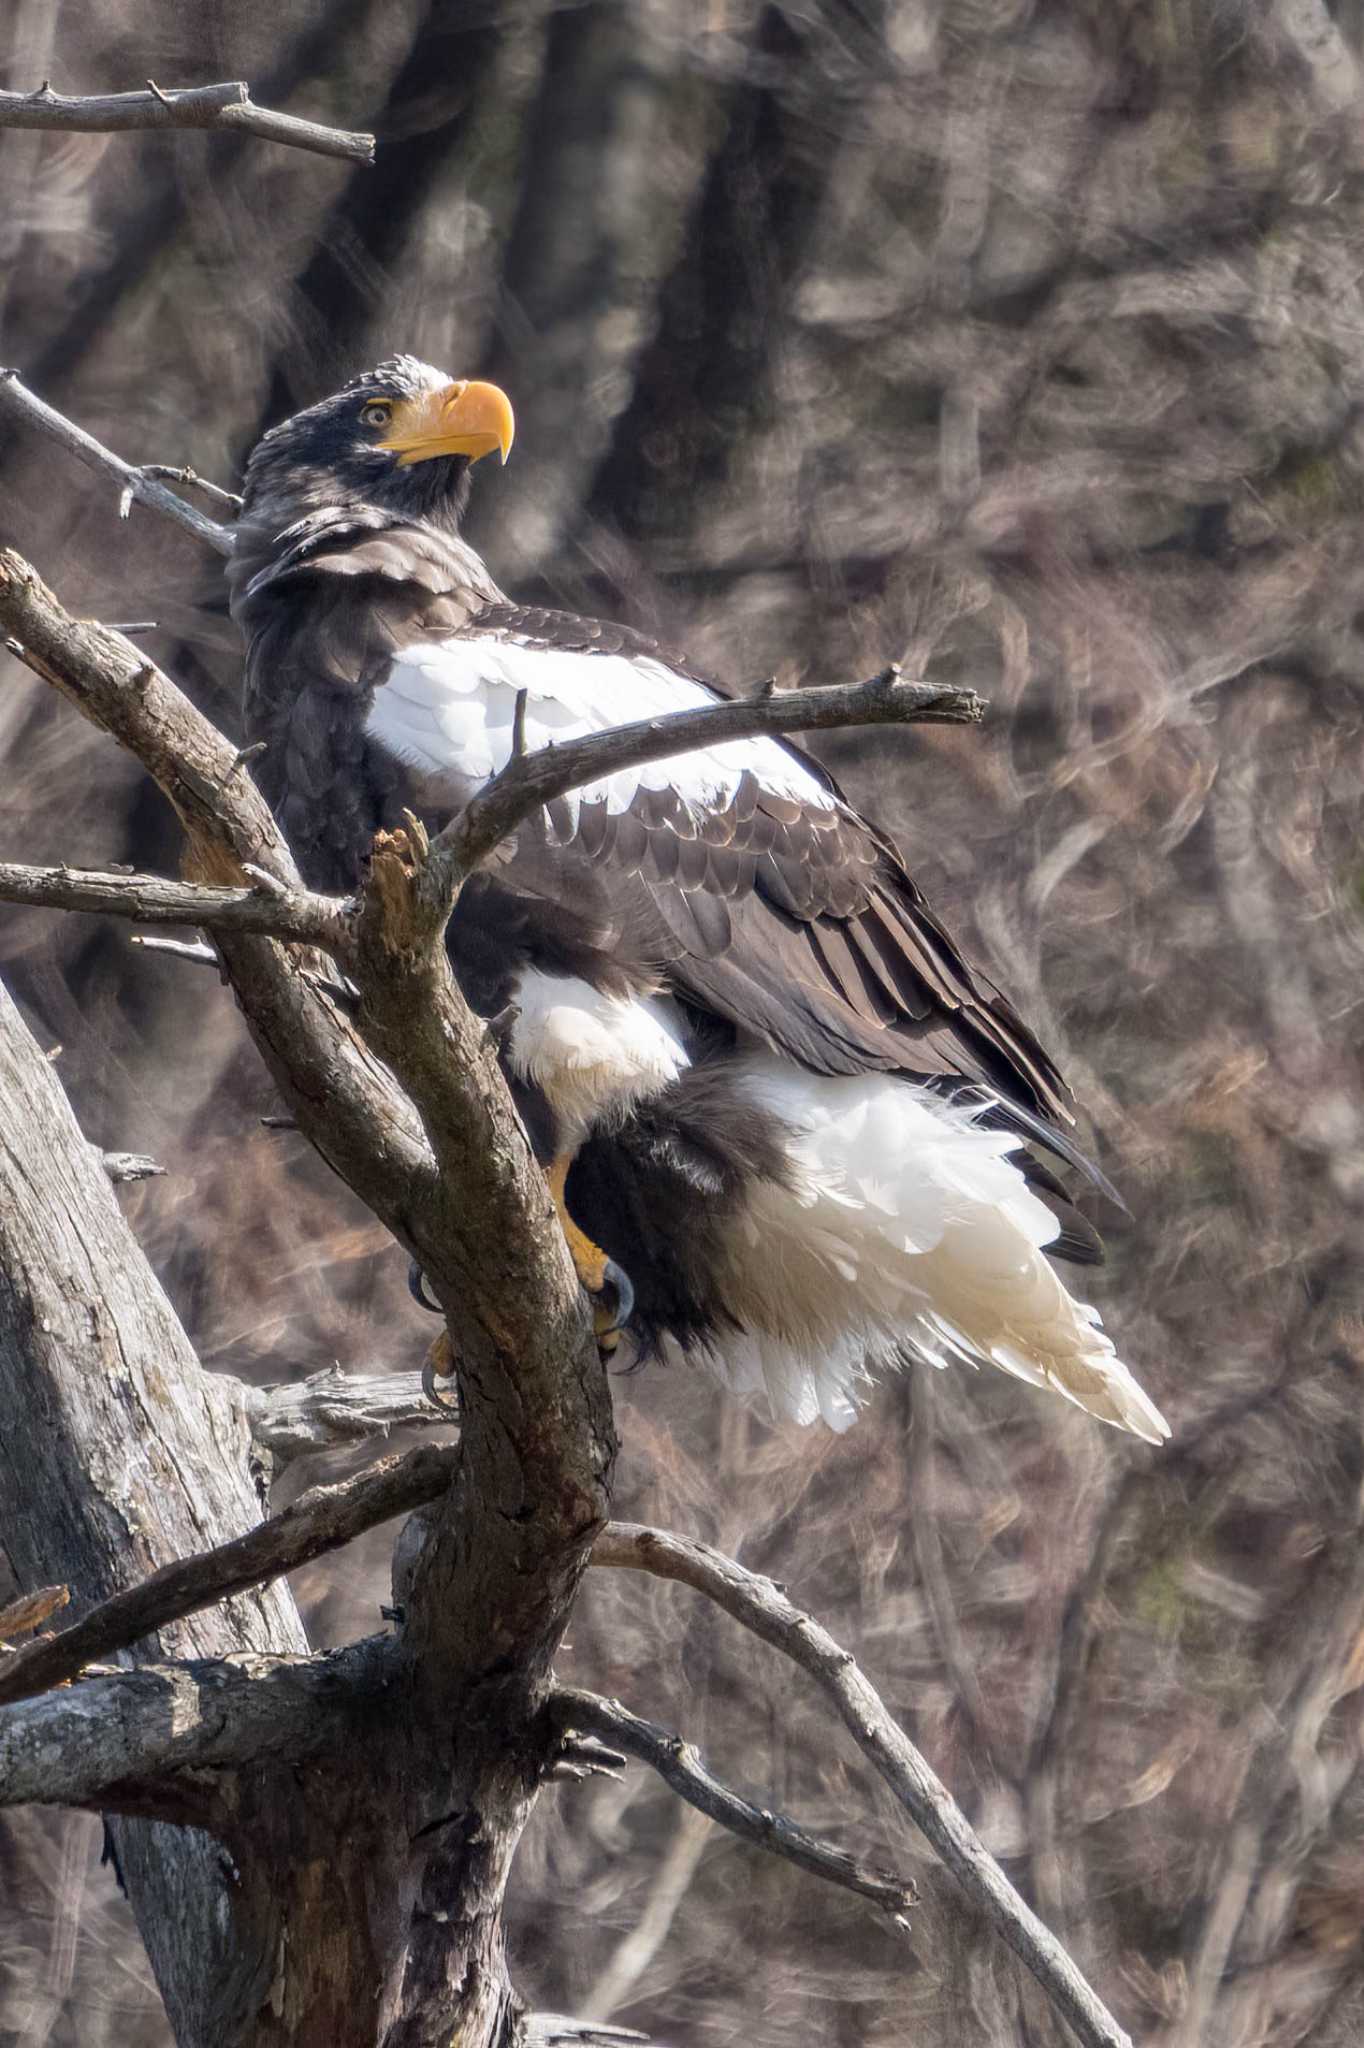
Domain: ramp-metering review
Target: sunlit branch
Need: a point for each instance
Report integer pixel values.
(530, 780)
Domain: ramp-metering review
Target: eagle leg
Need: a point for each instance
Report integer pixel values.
(613, 1294)
(612, 1291)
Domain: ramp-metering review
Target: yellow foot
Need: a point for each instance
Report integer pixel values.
(613, 1297)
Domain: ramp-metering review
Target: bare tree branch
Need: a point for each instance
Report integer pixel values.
(225, 817)
(135, 486)
(334, 1407)
(181, 473)
(118, 1454)
(762, 1607)
(530, 780)
(318, 1521)
(679, 1766)
(276, 911)
(225, 108)
(128, 1166)
(117, 1741)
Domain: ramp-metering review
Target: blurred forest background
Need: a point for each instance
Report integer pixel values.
(1024, 338)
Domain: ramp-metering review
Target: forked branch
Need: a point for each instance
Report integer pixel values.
(763, 1608)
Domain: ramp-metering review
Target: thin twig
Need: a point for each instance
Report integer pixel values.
(679, 1766)
(136, 484)
(318, 1521)
(759, 1605)
(518, 731)
(223, 107)
(582, 1756)
(273, 909)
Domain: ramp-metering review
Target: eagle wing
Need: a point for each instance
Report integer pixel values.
(384, 671)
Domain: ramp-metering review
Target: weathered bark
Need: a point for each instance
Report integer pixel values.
(369, 1880)
(116, 1456)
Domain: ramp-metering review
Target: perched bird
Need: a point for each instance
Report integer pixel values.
(793, 1136)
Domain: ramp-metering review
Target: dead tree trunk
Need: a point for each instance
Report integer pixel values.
(118, 1452)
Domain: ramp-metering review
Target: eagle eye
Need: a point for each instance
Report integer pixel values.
(378, 412)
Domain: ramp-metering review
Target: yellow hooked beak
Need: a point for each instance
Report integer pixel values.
(459, 419)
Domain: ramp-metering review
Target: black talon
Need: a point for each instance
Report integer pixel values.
(615, 1280)
(418, 1289)
(432, 1391)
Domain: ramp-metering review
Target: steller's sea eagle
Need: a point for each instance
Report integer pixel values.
(793, 1136)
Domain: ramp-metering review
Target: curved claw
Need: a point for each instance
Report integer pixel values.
(613, 1304)
(417, 1288)
(616, 1281)
(439, 1364)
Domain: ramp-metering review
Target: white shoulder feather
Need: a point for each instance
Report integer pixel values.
(447, 708)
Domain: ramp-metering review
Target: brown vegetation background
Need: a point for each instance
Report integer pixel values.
(1026, 340)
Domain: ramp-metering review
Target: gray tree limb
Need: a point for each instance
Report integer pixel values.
(135, 486)
(132, 1742)
(764, 1609)
(278, 912)
(322, 1519)
(530, 780)
(130, 1166)
(680, 1768)
(117, 1454)
(226, 108)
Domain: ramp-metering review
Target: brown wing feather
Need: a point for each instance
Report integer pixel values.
(793, 923)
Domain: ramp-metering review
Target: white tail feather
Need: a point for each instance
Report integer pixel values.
(908, 1229)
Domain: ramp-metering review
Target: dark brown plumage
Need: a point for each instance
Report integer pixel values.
(775, 920)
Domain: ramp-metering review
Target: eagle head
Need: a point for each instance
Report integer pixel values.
(402, 436)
